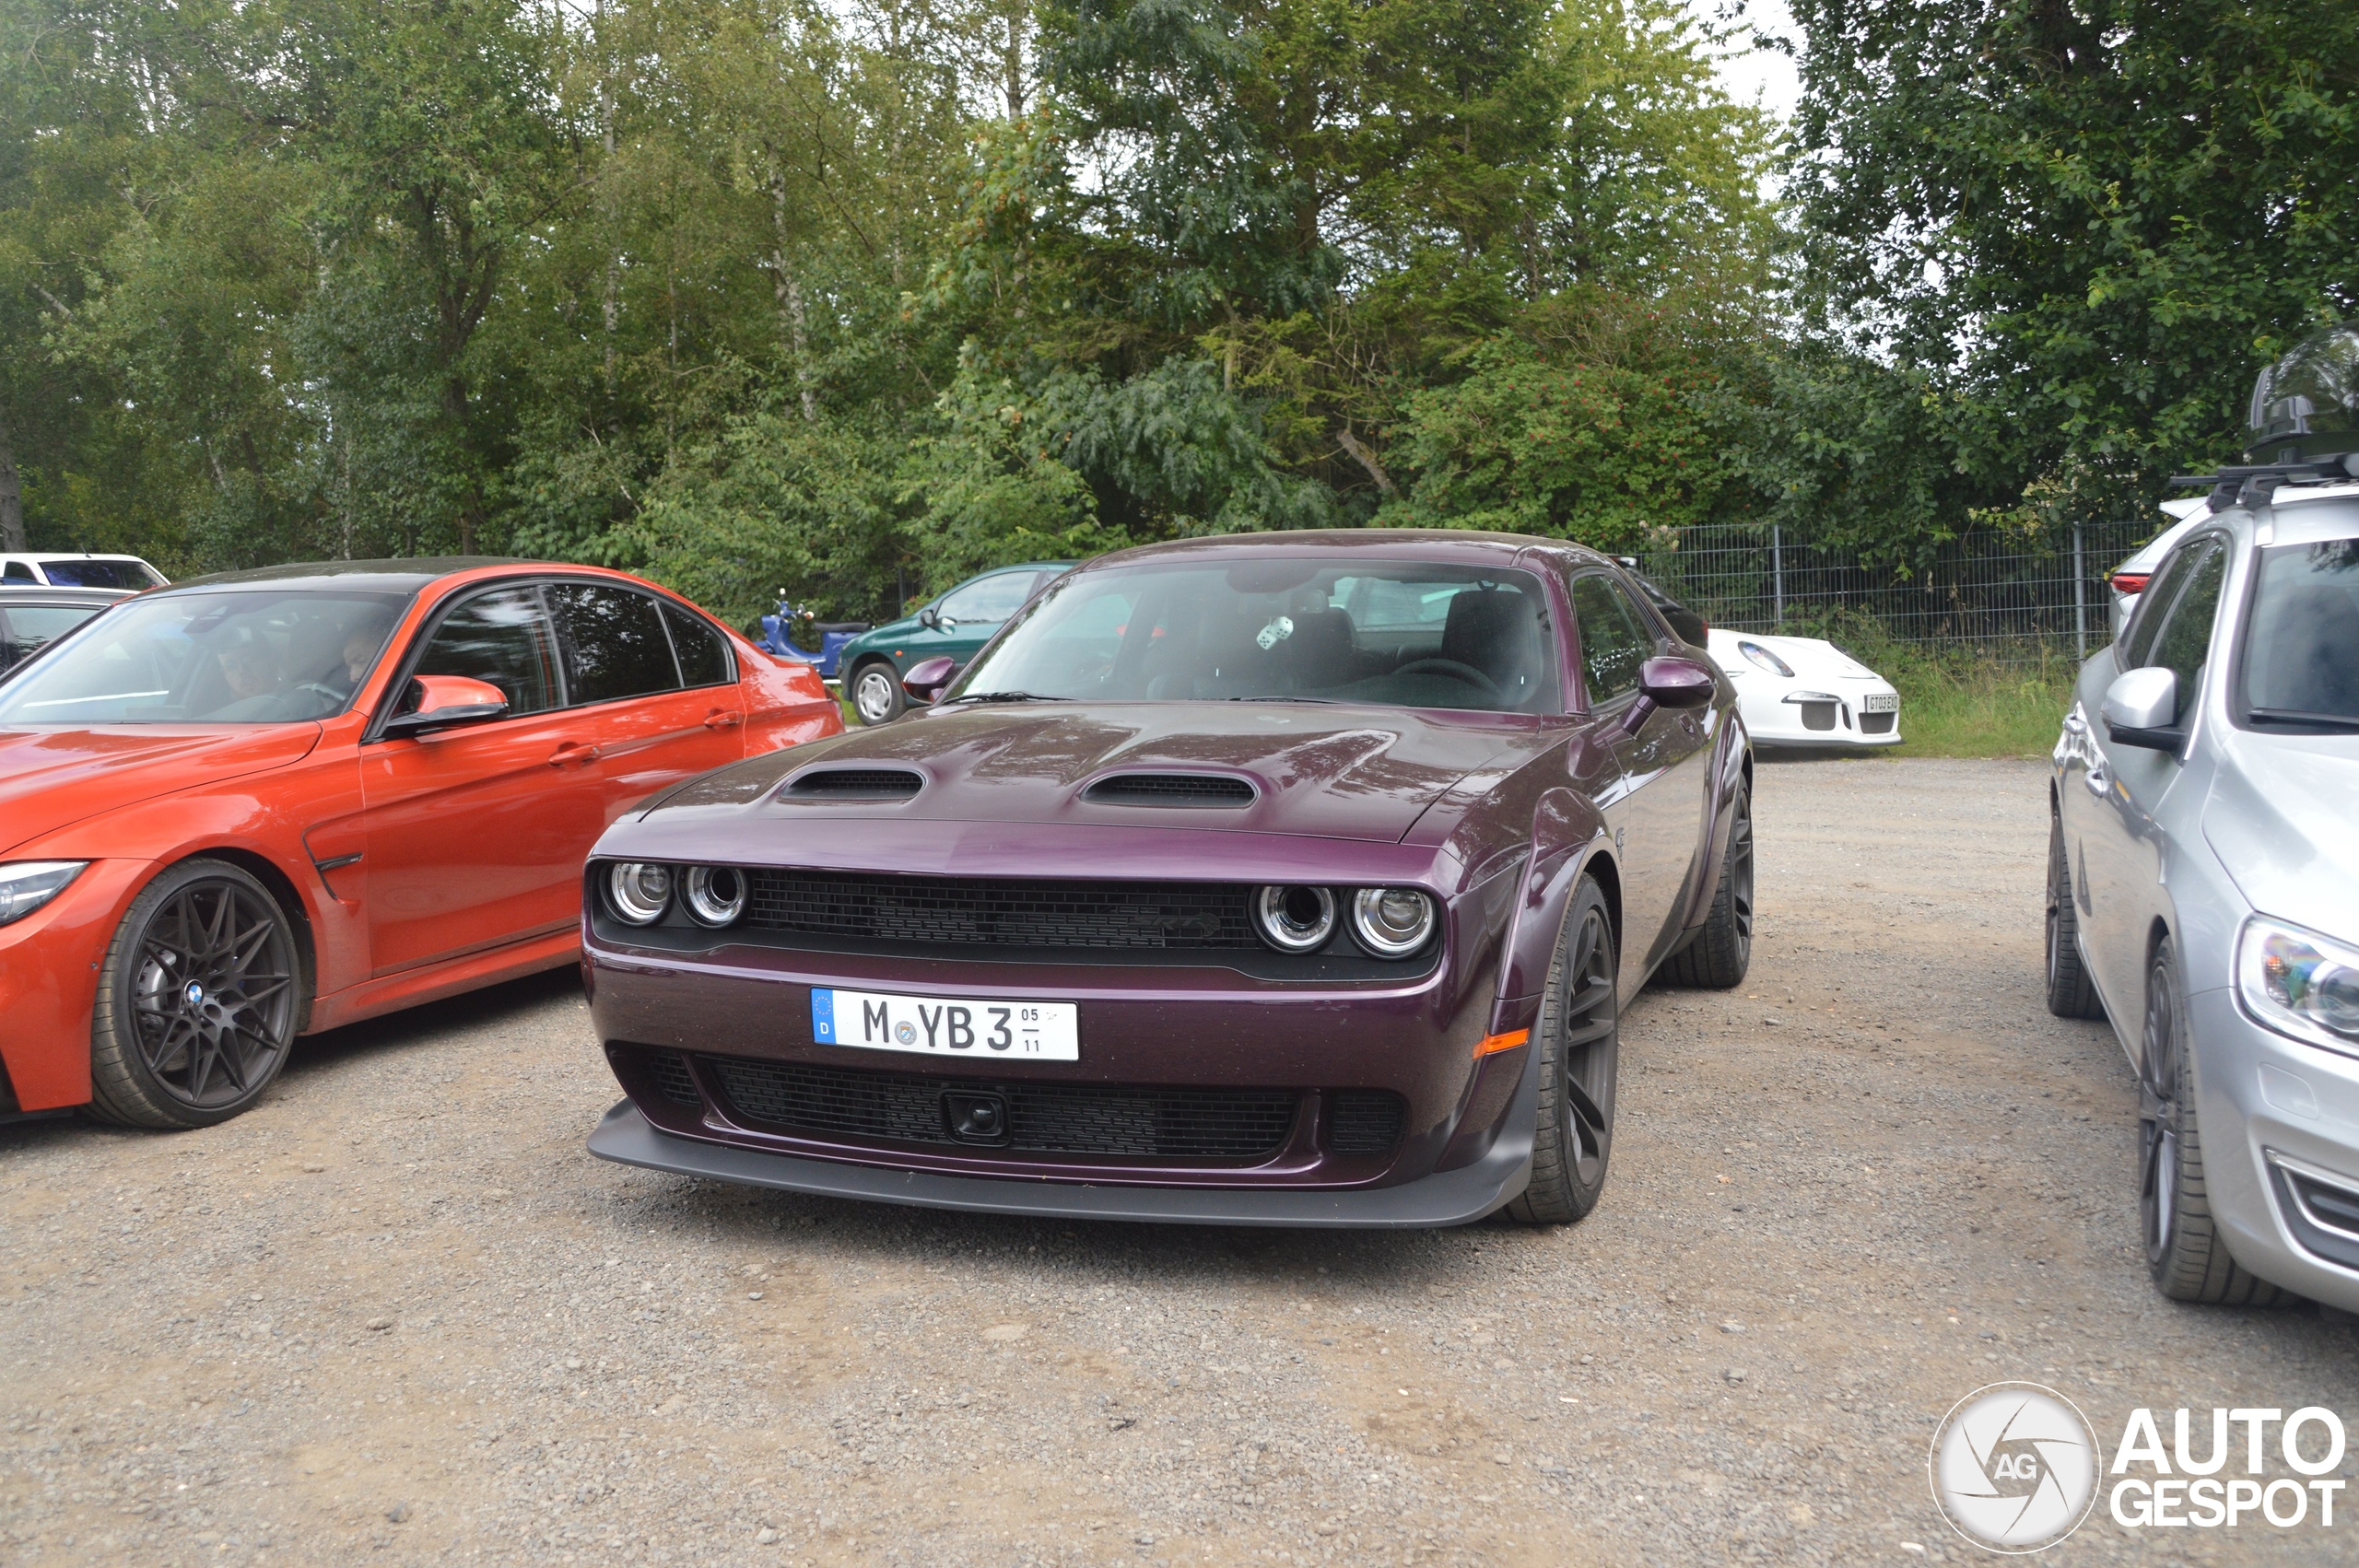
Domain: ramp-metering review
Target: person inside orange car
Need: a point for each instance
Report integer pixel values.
(230, 814)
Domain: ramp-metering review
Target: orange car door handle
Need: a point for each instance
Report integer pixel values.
(572, 751)
(723, 718)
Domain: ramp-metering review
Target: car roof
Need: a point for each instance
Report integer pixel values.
(1464, 547)
(69, 555)
(407, 575)
(46, 593)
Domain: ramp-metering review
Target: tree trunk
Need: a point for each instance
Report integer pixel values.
(12, 499)
(1012, 62)
(612, 306)
(794, 320)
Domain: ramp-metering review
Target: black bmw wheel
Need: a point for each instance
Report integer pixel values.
(2071, 992)
(2185, 1253)
(1578, 1037)
(1719, 955)
(198, 1000)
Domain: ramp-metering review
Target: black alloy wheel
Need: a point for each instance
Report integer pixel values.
(877, 694)
(1579, 1041)
(1718, 956)
(2071, 992)
(198, 1000)
(2185, 1253)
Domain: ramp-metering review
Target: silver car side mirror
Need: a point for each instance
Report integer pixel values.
(2140, 708)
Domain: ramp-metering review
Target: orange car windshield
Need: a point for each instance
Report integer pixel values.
(231, 658)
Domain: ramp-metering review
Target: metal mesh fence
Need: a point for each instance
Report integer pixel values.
(1998, 596)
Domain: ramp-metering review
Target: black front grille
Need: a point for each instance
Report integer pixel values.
(1004, 912)
(1367, 1121)
(1070, 1118)
(1189, 790)
(1876, 723)
(855, 784)
(671, 1077)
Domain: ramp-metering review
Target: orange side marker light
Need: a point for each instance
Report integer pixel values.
(1506, 1042)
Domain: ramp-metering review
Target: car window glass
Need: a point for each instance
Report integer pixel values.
(24, 628)
(2184, 643)
(502, 638)
(1613, 644)
(99, 574)
(2302, 645)
(988, 600)
(19, 572)
(613, 642)
(237, 657)
(704, 653)
(2148, 615)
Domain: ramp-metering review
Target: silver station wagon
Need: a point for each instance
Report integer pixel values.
(2203, 885)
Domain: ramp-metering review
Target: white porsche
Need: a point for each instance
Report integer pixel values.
(1801, 691)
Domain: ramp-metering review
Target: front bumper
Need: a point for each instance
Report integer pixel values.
(1447, 1197)
(1782, 713)
(2273, 1109)
(49, 971)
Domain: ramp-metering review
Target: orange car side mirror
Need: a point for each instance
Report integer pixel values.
(437, 701)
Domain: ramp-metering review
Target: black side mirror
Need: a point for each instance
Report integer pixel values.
(930, 618)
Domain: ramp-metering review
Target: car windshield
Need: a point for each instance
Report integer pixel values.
(230, 658)
(1276, 629)
(2301, 656)
(133, 575)
(25, 629)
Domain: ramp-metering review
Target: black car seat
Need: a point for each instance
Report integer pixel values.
(1498, 632)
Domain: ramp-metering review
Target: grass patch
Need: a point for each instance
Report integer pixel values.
(2005, 701)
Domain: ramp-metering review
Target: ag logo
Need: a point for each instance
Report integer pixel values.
(2014, 1468)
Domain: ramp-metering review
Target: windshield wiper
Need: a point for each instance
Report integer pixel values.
(1007, 697)
(2296, 716)
(1281, 696)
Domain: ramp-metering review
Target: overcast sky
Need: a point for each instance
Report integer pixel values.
(1765, 74)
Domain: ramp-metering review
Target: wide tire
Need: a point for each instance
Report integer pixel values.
(2071, 992)
(2185, 1252)
(197, 1002)
(1719, 955)
(877, 694)
(1579, 1041)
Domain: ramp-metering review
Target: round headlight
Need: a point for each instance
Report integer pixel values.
(1294, 919)
(1392, 922)
(1766, 660)
(637, 891)
(715, 895)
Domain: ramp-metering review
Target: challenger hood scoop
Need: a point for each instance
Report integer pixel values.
(1328, 772)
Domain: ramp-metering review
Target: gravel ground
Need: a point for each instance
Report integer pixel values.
(398, 1314)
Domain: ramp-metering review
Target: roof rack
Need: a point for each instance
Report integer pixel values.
(2253, 486)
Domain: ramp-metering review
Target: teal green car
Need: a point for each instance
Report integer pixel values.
(955, 623)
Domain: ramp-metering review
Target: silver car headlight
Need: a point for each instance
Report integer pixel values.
(715, 895)
(1294, 919)
(1392, 922)
(27, 885)
(639, 891)
(1766, 660)
(2299, 983)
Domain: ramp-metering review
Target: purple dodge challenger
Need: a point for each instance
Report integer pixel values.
(1289, 879)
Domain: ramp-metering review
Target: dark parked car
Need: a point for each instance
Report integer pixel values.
(1288, 879)
(951, 626)
(32, 618)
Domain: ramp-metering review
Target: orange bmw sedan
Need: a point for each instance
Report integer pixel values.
(252, 806)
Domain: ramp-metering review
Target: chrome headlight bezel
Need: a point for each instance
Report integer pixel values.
(1765, 659)
(638, 892)
(2294, 980)
(714, 896)
(1281, 927)
(1380, 929)
(26, 885)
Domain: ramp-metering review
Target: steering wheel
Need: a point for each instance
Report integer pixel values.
(325, 692)
(1454, 670)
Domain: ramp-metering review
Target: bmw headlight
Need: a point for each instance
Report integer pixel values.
(1294, 919)
(1768, 661)
(639, 891)
(2299, 983)
(27, 885)
(715, 895)
(1392, 922)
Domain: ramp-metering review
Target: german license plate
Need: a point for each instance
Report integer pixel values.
(1880, 702)
(947, 1026)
